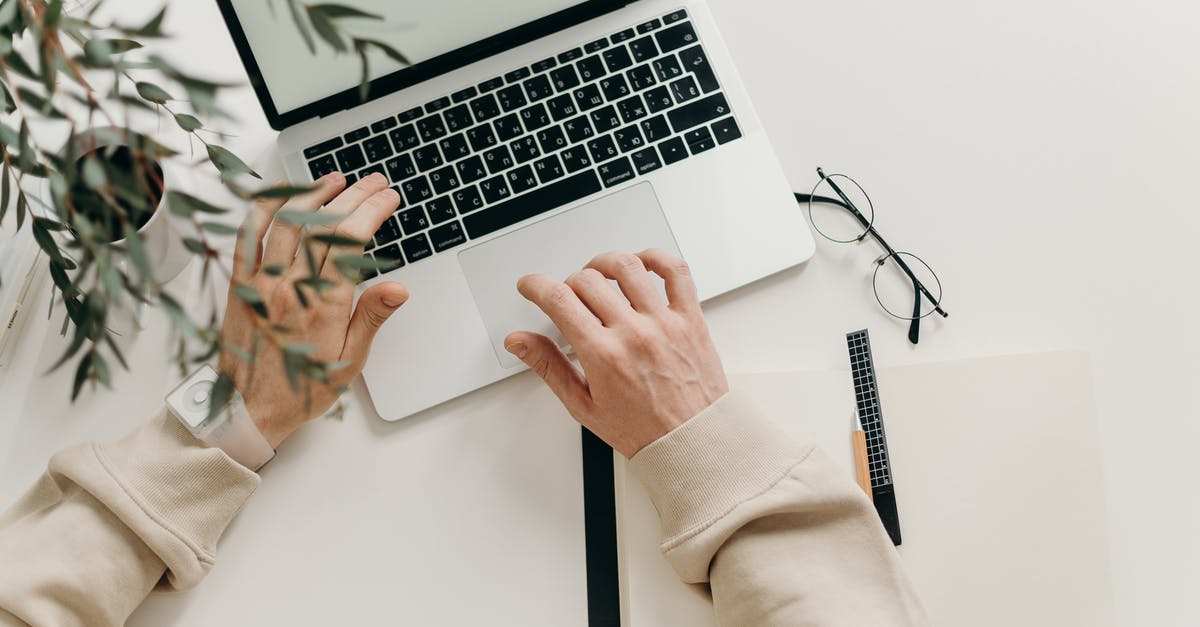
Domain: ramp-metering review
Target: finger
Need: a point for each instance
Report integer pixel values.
(360, 226)
(545, 358)
(630, 273)
(248, 250)
(562, 305)
(284, 237)
(677, 276)
(374, 307)
(599, 296)
(345, 206)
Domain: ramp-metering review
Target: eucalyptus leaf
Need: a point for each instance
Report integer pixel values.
(218, 228)
(188, 122)
(81, 375)
(228, 163)
(306, 218)
(152, 92)
(222, 391)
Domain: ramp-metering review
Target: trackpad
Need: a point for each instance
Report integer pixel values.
(630, 220)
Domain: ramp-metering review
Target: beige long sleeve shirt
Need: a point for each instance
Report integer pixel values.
(784, 537)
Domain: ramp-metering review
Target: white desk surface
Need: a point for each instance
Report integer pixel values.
(1040, 155)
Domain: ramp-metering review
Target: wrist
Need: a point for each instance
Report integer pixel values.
(271, 427)
(229, 428)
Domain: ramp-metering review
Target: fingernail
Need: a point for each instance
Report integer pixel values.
(392, 301)
(378, 177)
(517, 348)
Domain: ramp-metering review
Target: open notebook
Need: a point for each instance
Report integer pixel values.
(998, 481)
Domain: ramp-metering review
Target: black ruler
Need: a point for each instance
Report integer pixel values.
(866, 395)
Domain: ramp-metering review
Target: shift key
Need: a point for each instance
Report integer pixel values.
(698, 112)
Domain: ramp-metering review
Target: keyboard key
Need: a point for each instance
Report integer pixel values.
(390, 255)
(351, 178)
(485, 107)
(575, 159)
(646, 27)
(543, 65)
(443, 180)
(440, 210)
(481, 137)
(371, 169)
(517, 75)
(632, 108)
(658, 99)
(699, 140)
(447, 236)
(525, 149)
(646, 160)
(416, 248)
(629, 138)
(522, 179)
(551, 139)
(561, 107)
(675, 17)
(321, 166)
(498, 159)
(437, 105)
(578, 129)
(427, 157)
(458, 118)
(537, 88)
(535, 117)
(570, 55)
(351, 158)
(377, 148)
(508, 127)
(602, 149)
(726, 130)
(643, 49)
(388, 232)
(323, 147)
(431, 128)
(656, 128)
(411, 114)
(368, 274)
(616, 172)
(641, 77)
(416, 191)
(537, 202)
(384, 124)
(400, 168)
(404, 138)
(675, 37)
(685, 89)
(455, 147)
(467, 199)
(464, 94)
(624, 35)
(596, 46)
(673, 150)
(605, 120)
(412, 220)
(511, 98)
(548, 169)
(591, 68)
(588, 97)
(667, 68)
(494, 189)
(357, 134)
(491, 84)
(694, 61)
(471, 169)
(614, 87)
(564, 78)
(617, 59)
(698, 112)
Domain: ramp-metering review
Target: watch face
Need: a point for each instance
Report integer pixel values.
(194, 402)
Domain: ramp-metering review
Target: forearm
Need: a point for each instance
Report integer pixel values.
(105, 522)
(781, 533)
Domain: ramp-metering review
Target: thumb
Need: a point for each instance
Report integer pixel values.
(545, 358)
(375, 306)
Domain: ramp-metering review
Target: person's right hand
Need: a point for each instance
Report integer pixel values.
(649, 365)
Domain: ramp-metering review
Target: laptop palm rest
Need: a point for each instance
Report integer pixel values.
(630, 220)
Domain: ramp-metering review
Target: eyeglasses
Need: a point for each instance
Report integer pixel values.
(905, 286)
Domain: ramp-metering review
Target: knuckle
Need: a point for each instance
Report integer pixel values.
(560, 293)
(680, 267)
(541, 367)
(628, 262)
(589, 275)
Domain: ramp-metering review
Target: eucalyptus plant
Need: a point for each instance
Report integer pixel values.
(68, 69)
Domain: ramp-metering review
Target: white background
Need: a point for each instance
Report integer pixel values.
(1042, 156)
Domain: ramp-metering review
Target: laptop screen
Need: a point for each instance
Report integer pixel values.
(294, 77)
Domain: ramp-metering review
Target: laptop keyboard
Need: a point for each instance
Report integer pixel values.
(510, 148)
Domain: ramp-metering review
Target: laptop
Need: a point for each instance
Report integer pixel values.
(526, 136)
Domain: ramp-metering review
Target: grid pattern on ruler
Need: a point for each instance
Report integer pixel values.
(866, 395)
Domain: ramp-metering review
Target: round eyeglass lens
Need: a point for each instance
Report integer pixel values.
(899, 278)
(840, 210)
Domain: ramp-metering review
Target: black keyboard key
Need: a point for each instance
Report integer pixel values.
(388, 232)
(481, 137)
(525, 149)
(371, 169)
(485, 107)
(699, 140)
(498, 159)
(698, 112)
(538, 87)
(726, 130)
(508, 127)
(548, 169)
(458, 118)
(431, 128)
(673, 150)
(416, 248)
(384, 124)
(416, 191)
(658, 99)
(404, 138)
(602, 149)
(471, 169)
(606, 119)
(427, 157)
(491, 84)
(677, 36)
(646, 27)
(624, 35)
(685, 89)
(591, 68)
(517, 75)
(656, 128)
(617, 59)
(570, 55)
(440, 210)
(467, 199)
(667, 68)
(351, 158)
(357, 134)
(614, 87)
(646, 160)
(675, 17)
(390, 255)
(455, 147)
(561, 107)
(694, 61)
(641, 77)
(443, 180)
(596, 46)
(616, 172)
(400, 168)
(629, 138)
(564, 78)
(643, 49)
(588, 97)
(575, 159)
(511, 98)
(411, 114)
(377, 148)
(351, 178)
(535, 117)
(543, 65)
(464, 94)
(321, 166)
(539, 201)
(437, 105)
(412, 220)
(494, 189)
(323, 147)
(551, 139)
(578, 129)
(632, 108)
(522, 179)
(447, 236)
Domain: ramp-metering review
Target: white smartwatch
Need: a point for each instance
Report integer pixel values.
(230, 430)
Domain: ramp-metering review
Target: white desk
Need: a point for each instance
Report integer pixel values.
(1040, 155)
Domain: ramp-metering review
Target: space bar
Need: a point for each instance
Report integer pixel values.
(534, 203)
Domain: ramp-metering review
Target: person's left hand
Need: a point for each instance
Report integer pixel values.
(330, 323)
